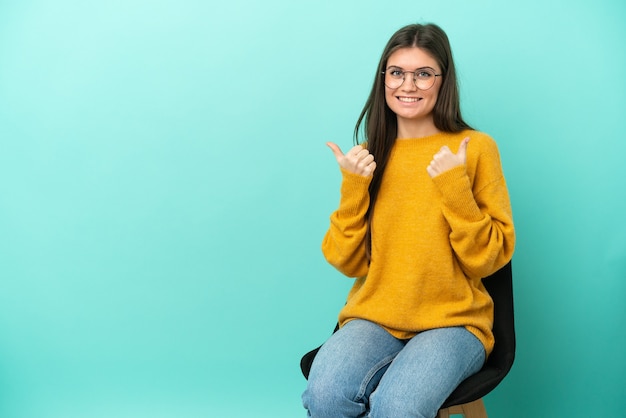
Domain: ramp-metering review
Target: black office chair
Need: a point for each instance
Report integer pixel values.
(467, 397)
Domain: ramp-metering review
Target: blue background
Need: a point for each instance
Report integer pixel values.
(164, 189)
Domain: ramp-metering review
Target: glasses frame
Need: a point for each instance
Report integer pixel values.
(393, 68)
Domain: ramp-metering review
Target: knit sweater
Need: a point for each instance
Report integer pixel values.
(432, 239)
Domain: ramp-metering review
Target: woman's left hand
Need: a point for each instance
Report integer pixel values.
(446, 160)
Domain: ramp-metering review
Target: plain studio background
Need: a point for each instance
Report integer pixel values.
(164, 189)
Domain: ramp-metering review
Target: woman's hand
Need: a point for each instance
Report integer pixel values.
(357, 161)
(446, 160)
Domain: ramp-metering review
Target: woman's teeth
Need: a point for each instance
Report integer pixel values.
(409, 99)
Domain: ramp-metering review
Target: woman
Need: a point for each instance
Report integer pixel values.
(418, 225)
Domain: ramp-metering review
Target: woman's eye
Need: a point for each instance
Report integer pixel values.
(424, 74)
(396, 73)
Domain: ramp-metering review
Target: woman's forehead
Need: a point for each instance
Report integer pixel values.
(412, 58)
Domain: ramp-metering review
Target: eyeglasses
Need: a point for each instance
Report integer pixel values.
(423, 78)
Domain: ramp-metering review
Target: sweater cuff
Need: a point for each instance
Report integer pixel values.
(354, 193)
(456, 192)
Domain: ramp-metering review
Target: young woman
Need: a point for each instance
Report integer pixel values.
(424, 215)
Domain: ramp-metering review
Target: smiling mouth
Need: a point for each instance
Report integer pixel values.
(409, 99)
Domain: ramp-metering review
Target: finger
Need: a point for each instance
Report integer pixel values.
(355, 151)
(363, 154)
(335, 149)
(431, 171)
(462, 154)
(363, 163)
(368, 159)
(369, 169)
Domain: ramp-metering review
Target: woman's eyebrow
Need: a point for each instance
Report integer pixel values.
(418, 68)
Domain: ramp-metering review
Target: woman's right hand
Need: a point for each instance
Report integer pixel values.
(357, 161)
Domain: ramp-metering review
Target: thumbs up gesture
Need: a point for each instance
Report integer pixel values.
(445, 159)
(357, 161)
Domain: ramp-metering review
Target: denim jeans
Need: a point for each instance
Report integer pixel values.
(363, 371)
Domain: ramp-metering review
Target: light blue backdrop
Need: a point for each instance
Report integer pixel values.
(164, 188)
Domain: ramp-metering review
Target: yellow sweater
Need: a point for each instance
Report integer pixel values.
(432, 239)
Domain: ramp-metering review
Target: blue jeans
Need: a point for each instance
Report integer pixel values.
(363, 371)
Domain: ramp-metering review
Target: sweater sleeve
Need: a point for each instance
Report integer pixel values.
(479, 214)
(344, 243)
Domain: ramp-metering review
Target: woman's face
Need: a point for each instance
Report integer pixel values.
(408, 102)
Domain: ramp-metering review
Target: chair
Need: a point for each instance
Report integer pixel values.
(467, 397)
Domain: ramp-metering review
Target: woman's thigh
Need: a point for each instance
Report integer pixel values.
(425, 372)
(347, 368)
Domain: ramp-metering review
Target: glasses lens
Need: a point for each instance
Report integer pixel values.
(394, 78)
(424, 78)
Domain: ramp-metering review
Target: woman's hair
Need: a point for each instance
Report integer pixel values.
(379, 123)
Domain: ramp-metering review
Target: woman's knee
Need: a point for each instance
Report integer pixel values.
(327, 398)
(384, 405)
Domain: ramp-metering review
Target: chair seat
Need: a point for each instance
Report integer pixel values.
(475, 386)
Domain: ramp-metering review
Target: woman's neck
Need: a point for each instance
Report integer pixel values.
(411, 128)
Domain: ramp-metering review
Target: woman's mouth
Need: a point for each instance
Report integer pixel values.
(409, 99)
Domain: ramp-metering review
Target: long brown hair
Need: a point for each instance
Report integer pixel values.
(378, 122)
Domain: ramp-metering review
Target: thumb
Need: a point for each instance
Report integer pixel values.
(462, 154)
(335, 148)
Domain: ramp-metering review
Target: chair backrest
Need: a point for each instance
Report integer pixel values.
(500, 287)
